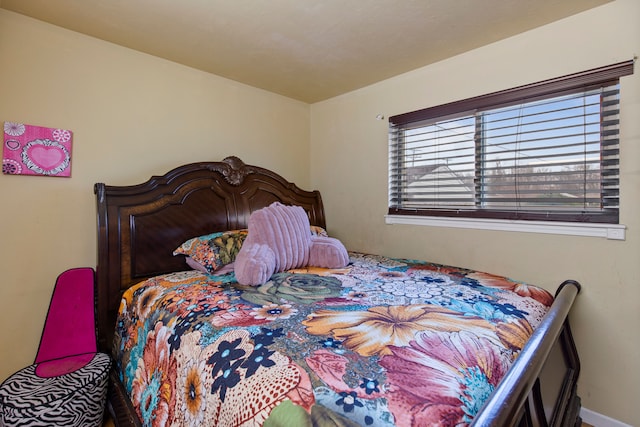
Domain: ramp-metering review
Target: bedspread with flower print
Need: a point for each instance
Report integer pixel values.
(382, 342)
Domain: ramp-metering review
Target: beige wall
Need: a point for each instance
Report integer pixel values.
(132, 115)
(349, 152)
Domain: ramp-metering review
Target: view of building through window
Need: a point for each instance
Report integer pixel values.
(533, 154)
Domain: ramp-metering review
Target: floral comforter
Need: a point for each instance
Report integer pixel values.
(383, 342)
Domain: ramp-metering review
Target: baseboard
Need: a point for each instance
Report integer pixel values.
(599, 420)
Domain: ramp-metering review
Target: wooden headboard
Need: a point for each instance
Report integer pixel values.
(139, 226)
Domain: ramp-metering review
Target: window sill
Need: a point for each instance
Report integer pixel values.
(608, 231)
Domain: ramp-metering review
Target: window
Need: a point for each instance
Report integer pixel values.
(548, 151)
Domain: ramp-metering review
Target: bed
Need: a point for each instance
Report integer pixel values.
(380, 342)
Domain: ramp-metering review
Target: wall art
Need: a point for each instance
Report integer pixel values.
(36, 150)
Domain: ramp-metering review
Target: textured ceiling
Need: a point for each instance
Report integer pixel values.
(303, 49)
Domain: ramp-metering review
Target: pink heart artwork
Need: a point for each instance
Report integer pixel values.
(46, 157)
(36, 150)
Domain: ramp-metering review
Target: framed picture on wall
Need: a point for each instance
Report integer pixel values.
(36, 150)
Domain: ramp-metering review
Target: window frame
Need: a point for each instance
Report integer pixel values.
(573, 224)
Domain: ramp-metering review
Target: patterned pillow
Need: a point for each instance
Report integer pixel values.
(318, 231)
(213, 251)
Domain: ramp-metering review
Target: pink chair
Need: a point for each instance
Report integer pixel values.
(67, 384)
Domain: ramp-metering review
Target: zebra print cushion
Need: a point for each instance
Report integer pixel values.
(73, 399)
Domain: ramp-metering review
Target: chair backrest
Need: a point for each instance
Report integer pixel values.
(70, 327)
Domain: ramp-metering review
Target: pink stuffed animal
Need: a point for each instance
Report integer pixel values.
(279, 239)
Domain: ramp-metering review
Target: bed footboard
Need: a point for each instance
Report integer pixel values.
(540, 387)
(539, 390)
